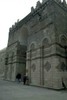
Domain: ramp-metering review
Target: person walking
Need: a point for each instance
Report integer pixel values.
(27, 80)
(18, 77)
(63, 84)
(24, 79)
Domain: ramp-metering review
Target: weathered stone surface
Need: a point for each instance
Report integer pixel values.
(37, 46)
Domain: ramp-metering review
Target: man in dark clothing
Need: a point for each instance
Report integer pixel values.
(63, 84)
(24, 79)
(18, 77)
(27, 80)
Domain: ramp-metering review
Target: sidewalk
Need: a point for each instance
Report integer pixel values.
(18, 91)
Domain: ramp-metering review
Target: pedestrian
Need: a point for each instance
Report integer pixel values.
(63, 84)
(27, 80)
(18, 77)
(24, 79)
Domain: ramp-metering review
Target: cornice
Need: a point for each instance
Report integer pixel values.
(35, 12)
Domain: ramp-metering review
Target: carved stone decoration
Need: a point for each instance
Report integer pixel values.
(58, 67)
(33, 67)
(61, 67)
(47, 66)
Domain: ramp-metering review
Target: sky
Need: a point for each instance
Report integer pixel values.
(10, 12)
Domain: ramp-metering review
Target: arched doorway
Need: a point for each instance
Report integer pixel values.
(21, 50)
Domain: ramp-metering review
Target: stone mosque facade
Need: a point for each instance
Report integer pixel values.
(37, 46)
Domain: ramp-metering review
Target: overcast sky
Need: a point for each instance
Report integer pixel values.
(10, 11)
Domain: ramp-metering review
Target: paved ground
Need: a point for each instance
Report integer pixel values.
(15, 91)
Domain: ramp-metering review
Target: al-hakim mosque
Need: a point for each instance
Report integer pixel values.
(37, 46)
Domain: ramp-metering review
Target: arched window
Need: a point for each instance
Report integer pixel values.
(45, 42)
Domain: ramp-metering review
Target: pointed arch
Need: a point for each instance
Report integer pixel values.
(45, 42)
(32, 46)
(63, 40)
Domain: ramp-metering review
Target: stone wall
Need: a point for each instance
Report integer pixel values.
(37, 46)
(2, 63)
(46, 49)
(15, 61)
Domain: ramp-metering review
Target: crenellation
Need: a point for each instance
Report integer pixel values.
(14, 26)
(43, 1)
(64, 3)
(38, 4)
(32, 9)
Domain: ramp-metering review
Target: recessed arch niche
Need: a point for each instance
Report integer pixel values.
(23, 36)
(32, 46)
(45, 42)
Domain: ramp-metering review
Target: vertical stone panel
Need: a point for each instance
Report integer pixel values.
(35, 72)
